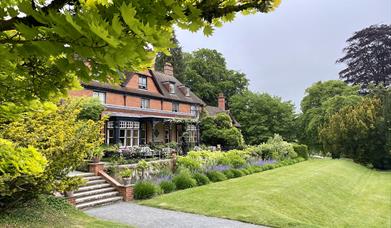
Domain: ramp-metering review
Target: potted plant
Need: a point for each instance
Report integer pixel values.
(126, 175)
(97, 154)
(71, 184)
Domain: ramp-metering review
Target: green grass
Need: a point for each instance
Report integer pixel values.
(48, 211)
(314, 193)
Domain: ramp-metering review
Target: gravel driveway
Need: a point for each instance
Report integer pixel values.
(148, 217)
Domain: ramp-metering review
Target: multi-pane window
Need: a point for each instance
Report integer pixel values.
(144, 103)
(100, 95)
(175, 106)
(110, 133)
(192, 130)
(193, 110)
(129, 133)
(142, 82)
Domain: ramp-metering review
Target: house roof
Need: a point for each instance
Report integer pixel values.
(159, 78)
(178, 95)
(213, 111)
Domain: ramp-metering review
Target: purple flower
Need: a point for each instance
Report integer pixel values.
(218, 168)
(262, 162)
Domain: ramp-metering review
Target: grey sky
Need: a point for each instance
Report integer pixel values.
(284, 52)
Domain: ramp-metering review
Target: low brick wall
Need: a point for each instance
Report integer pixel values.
(154, 168)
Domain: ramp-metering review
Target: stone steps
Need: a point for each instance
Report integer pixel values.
(96, 192)
(92, 192)
(99, 202)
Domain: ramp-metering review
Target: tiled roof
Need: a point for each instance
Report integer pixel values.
(159, 78)
(178, 95)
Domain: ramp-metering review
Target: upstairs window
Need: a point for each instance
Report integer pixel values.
(172, 87)
(100, 95)
(142, 82)
(144, 103)
(193, 110)
(175, 106)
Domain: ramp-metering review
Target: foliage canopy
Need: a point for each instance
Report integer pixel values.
(219, 130)
(261, 116)
(368, 57)
(97, 39)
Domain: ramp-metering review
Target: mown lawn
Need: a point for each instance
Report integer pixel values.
(50, 212)
(315, 193)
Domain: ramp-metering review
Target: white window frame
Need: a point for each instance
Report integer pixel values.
(100, 95)
(129, 137)
(142, 82)
(145, 103)
(193, 110)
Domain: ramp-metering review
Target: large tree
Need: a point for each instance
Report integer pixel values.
(261, 116)
(207, 75)
(96, 39)
(368, 57)
(175, 58)
(358, 132)
(321, 100)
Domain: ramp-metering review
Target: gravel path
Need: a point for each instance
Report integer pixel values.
(149, 217)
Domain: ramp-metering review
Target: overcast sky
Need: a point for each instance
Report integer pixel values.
(285, 51)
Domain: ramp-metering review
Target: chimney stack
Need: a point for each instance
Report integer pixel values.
(168, 69)
(221, 101)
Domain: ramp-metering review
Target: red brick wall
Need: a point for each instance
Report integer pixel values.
(133, 101)
(167, 106)
(155, 104)
(114, 99)
(184, 108)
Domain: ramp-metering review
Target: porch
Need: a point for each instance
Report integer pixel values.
(130, 132)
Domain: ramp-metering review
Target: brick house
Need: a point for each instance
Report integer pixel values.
(147, 108)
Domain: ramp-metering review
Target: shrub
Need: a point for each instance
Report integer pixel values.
(237, 172)
(189, 163)
(58, 135)
(184, 180)
(90, 108)
(268, 166)
(144, 190)
(19, 169)
(201, 179)
(301, 150)
(245, 171)
(235, 158)
(167, 186)
(254, 169)
(277, 148)
(229, 174)
(216, 176)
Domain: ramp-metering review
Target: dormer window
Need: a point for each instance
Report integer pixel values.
(142, 82)
(172, 87)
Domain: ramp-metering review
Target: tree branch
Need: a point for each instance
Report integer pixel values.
(30, 20)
